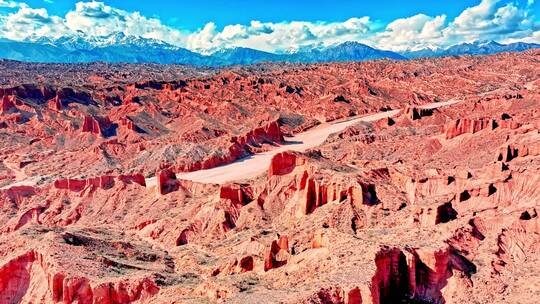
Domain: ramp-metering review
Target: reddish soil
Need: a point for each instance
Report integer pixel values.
(432, 205)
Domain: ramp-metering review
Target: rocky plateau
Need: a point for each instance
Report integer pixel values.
(434, 199)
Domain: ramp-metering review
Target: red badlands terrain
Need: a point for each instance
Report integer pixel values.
(435, 200)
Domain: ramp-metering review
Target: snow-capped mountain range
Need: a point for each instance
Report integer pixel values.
(133, 49)
(475, 48)
(85, 42)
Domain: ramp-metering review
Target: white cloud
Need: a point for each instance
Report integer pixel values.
(487, 19)
(29, 21)
(209, 38)
(97, 19)
(89, 18)
(416, 32)
(475, 18)
(278, 36)
(491, 19)
(8, 3)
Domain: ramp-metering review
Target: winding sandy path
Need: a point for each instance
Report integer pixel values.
(254, 165)
(21, 179)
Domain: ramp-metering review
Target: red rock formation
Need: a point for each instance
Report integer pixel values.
(416, 274)
(276, 255)
(18, 193)
(414, 113)
(101, 182)
(283, 163)
(166, 181)
(237, 194)
(7, 104)
(511, 151)
(462, 126)
(14, 276)
(71, 184)
(328, 295)
(320, 240)
(96, 125)
(133, 178)
(354, 296)
(235, 266)
(293, 179)
(25, 271)
(246, 264)
(269, 133)
(30, 216)
(129, 124)
(518, 242)
(184, 237)
(241, 146)
(428, 217)
(56, 103)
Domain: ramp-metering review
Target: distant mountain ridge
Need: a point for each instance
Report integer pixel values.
(475, 48)
(119, 47)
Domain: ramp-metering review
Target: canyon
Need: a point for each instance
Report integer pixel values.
(361, 182)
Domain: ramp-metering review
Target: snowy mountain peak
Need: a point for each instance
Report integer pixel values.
(80, 41)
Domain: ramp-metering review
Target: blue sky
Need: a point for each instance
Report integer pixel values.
(191, 15)
(278, 26)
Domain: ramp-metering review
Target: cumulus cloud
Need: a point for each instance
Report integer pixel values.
(209, 38)
(97, 19)
(7, 3)
(416, 32)
(29, 21)
(490, 19)
(88, 18)
(278, 37)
